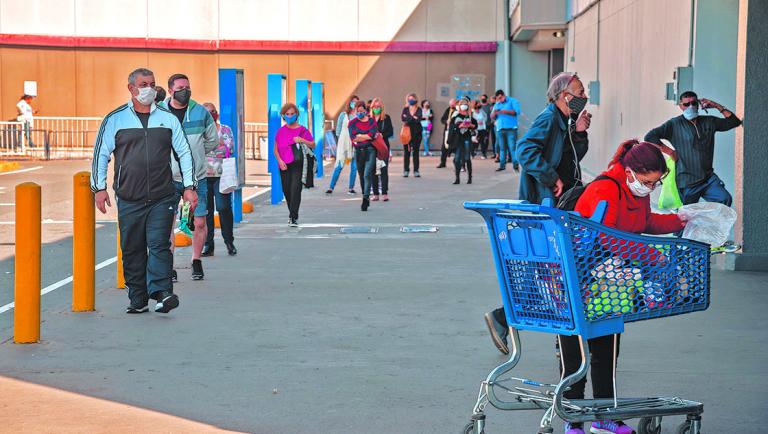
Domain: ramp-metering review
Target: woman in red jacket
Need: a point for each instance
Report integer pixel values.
(635, 171)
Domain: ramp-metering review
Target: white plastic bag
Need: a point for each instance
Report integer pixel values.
(228, 181)
(708, 222)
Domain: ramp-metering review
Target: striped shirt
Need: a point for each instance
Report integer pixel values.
(369, 127)
(694, 143)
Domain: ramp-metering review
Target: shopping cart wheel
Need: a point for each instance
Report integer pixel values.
(684, 428)
(649, 425)
(470, 429)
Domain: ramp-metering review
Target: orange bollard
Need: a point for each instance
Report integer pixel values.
(216, 221)
(26, 319)
(247, 207)
(120, 275)
(182, 240)
(83, 245)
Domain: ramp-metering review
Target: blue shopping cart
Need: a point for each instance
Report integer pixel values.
(564, 274)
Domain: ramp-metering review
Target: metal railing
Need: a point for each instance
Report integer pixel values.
(58, 137)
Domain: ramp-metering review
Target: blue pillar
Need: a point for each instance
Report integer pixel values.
(275, 99)
(318, 124)
(231, 113)
(304, 102)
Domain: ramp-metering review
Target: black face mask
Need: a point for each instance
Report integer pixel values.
(484, 100)
(577, 104)
(182, 96)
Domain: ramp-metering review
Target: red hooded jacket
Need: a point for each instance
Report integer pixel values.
(626, 212)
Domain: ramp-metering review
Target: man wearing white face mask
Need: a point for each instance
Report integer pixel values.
(142, 138)
(693, 137)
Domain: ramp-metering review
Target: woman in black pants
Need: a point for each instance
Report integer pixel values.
(460, 130)
(384, 124)
(411, 117)
(290, 143)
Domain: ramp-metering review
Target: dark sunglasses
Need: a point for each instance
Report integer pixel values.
(694, 103)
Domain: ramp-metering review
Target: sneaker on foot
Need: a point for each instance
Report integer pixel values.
(197, 270)
(405, 174)
(329, 191)
(374, 198)
(573, 429)
(351, 191)
(293, 223)
(417, 174)
(516, 167)
(207, 250)
(137, 309)
(167, 301)
(498, 332)
(174, 276)
(385, 198)
(610, 427)
(499, 169)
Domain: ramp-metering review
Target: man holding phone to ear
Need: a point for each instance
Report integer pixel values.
(549, 155)
(142, 137)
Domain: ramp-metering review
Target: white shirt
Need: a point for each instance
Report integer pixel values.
(25, 111)
(480, 117)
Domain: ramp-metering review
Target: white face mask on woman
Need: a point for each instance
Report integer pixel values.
(463, 107)
(638, 188)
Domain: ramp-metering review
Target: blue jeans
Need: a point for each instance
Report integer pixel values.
(223, 204)
(711, 190)
(425, 134)
(462, 155)
(337, 173)
(507, 141)
(366, 167)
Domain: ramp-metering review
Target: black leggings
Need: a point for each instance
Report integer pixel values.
(601, 365)
(408, 150)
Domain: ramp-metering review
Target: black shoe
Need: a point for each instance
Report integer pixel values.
(207, 250)
(231, 250)
(366, 203)
(499, 169)
(440, 166)
(469, 180)
(197, 270)
(174, 276)
(329, 191)
(516, 167)
(293, 223)
(351, 191)
(137, 309)
(166, 302)
(457, 181)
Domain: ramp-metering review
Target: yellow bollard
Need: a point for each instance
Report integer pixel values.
(120, 275)
(247, 207)
(26, 319)
(83, 245)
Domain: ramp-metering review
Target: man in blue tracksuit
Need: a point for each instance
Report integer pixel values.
(142, 138)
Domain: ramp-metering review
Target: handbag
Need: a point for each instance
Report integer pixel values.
(405, 134)
(228, 181)
(382, 152)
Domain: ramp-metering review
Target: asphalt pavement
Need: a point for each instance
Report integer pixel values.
(352, 324)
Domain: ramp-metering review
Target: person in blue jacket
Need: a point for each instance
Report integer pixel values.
(549, 155)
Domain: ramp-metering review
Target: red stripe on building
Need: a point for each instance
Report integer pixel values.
(247, 45)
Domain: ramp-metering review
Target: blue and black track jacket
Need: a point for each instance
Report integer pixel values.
(142, 155)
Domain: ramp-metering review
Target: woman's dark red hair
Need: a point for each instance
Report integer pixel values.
(641, 157)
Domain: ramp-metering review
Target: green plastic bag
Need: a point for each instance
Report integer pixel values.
(185, 218)
(670, 196)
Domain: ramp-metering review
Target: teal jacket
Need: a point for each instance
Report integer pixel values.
(202, 136)
(540, 150)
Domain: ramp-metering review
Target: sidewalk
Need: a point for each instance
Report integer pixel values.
(312, 330)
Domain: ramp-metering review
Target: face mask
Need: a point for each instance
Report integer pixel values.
(463, 107)
(360, 115)
(146, 95)
(182, 96)
(215, 117)
(352, 104)
(577, 104)
(412, 102)
(484, 100)
(691, 112)
(290, 119)
(377, 110)
(638, 188)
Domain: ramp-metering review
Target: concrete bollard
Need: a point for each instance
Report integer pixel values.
(120, 275)
(83, 245)
(26, 318)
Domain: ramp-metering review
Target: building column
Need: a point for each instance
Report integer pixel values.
(751, 168)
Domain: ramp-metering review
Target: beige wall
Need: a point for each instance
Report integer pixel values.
(641, 44)
(93, 82)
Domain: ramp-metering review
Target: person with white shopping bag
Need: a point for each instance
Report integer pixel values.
(222, 181)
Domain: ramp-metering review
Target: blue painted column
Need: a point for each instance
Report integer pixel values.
(304, 102)
(275, 99)
(232, 113)
(318, 124)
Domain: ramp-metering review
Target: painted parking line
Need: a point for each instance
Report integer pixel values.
(13, 172)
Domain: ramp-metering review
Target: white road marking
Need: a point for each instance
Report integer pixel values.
(13, 172)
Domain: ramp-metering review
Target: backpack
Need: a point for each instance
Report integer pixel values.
(567, 201)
